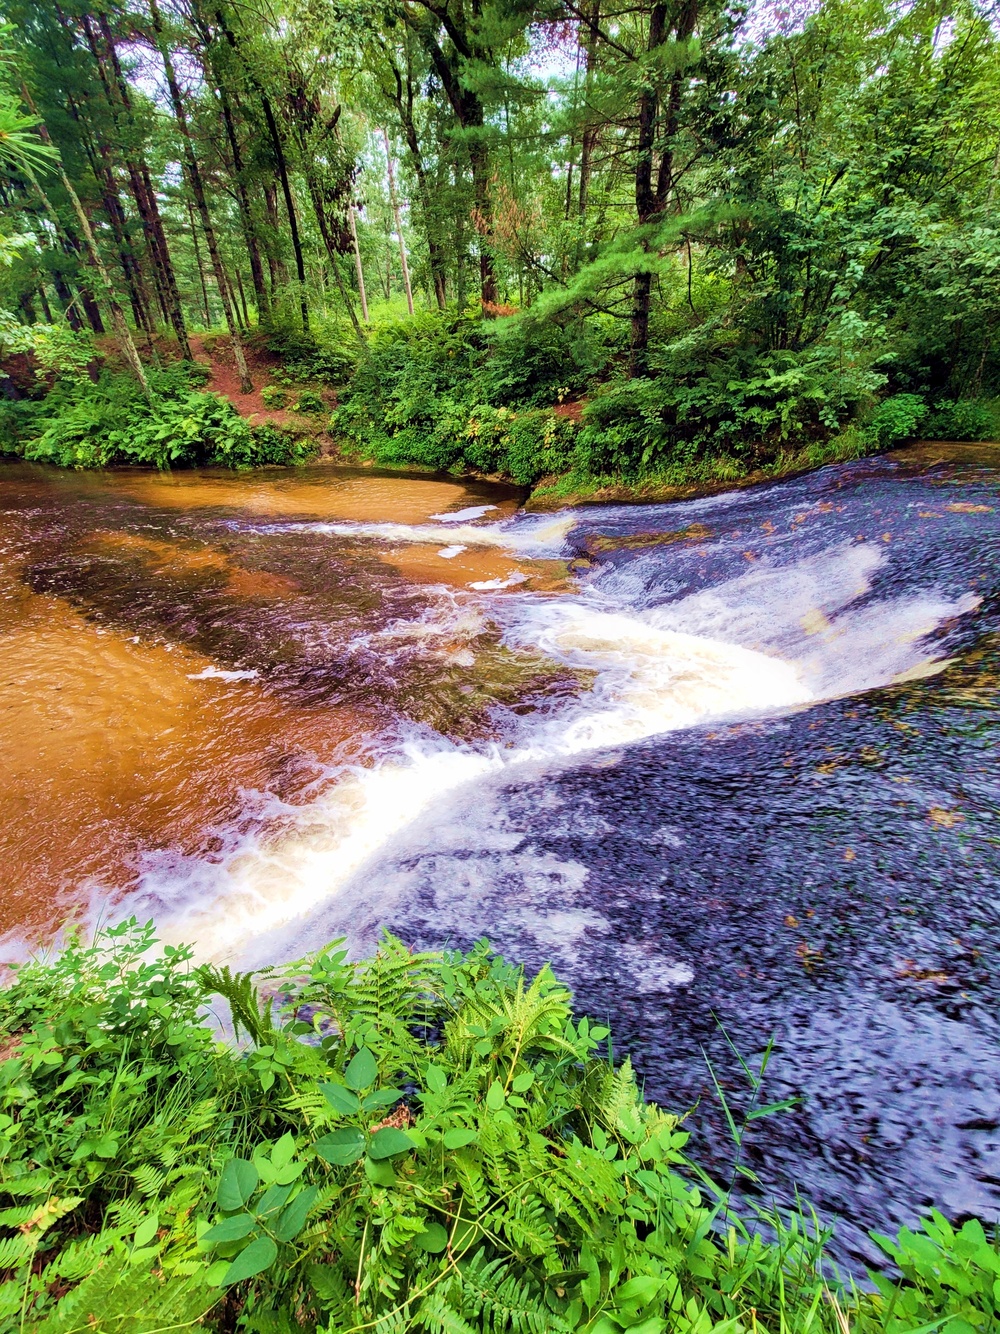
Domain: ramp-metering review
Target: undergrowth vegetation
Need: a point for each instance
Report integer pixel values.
(76, 421)
(413, 1142)
(528, 398)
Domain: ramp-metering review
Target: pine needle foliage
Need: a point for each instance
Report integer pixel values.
(413, 1142)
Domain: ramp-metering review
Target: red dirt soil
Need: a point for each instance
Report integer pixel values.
(225, 380)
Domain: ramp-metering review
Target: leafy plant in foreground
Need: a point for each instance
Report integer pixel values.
(411, 1142)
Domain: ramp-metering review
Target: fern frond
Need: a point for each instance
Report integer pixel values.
(243, 998)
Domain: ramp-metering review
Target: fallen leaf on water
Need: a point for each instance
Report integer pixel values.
(791, 921)
(814, 622)
(887, 537)
(946, 819)
(967, 507)
(849, 854)
(928, 514)
(748, 555)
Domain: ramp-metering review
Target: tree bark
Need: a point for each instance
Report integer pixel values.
(196, 183)
(199, 266)
(122, 332)
(334, 255)
(119, 100)
(399, 224)
(468, 109)
(650, 202)
(404, 108)
(246, 214)
(357, 263)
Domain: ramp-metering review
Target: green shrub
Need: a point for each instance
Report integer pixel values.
(273, 396)
(896, 419)
(84, 425)
(965, 419)
(415, 1141)
(308, 401)
(708, 399)
(328, 353)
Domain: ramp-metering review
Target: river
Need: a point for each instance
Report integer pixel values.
(729, 764)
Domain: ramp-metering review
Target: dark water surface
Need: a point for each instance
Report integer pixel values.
(726, 762)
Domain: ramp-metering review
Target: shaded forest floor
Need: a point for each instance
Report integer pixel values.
(217, 354)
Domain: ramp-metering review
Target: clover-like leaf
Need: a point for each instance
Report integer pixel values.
(259, 1255)
(361, 1072)
(458, 1137)
(341, 1099)
(387, 1142)
(433, 1240)
(230, 1229)
(237, 1183)
(341, 1147)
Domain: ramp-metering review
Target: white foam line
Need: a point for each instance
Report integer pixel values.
(649, 681)
(460, 516)
(535, 535)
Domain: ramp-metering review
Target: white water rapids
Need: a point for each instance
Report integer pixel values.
(765, 641)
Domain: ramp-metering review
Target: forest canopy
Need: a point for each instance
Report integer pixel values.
(677, 239)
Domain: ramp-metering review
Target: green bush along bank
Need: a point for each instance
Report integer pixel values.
(529, 399)
(84, 423)
(426, 1142)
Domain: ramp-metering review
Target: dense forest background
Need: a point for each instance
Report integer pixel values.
(587, 238)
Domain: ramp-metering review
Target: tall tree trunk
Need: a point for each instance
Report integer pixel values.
(334, 255)
(357, 263)
(650, 202)
(399, 225)
(199, 266)
(404, 107)
(67, 301)
(198, 190)
(588, 139)
(243, 198)
(275, 264)
(286, 190)
(140, 182)
(468, 109)
(243, 299)
(122, 332)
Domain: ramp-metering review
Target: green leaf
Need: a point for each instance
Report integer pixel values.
(237, 1183)
(230, 1229)
(433, 1240)
(458, 1137)
(361, 1072)
(387, 1142)
(381, 1173)
(495, 1096)
(146, 1231)
(273, 1199)
(341, 1099)
(435, 1079)
(284, 1151)
(341, 1147)
(256, 1257)
(381, 1098)
(523, 1081)
(292, 1221)
(638, 1291)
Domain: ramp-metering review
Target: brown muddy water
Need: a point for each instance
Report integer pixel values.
(726, 762)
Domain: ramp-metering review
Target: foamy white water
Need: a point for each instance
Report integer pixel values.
(771, 640)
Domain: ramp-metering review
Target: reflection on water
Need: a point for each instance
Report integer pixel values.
(729, 759)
